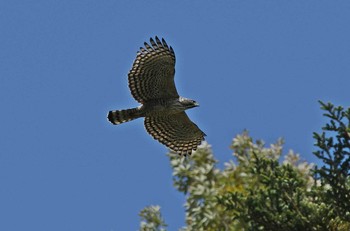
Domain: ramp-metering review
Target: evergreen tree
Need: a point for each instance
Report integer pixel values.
(259, 191)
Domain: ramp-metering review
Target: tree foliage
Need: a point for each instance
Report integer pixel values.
(151, 219)
(334, 150)
(259, 191)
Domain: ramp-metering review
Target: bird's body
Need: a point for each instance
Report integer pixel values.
(151, 81)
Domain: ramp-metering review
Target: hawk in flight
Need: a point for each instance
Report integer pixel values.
(151, 82)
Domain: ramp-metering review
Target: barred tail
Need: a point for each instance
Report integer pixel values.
(118, 117)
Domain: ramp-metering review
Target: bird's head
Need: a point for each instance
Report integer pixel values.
(188, 103)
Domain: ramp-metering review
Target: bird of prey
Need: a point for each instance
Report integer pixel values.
(151, 82)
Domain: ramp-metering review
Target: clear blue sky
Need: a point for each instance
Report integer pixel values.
(256, 65)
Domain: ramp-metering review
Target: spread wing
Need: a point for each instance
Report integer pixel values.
(176, 131)
(152, 74)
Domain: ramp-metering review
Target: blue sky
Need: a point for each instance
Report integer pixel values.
(256, 65)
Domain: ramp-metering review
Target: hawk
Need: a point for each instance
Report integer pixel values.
(151, 82)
